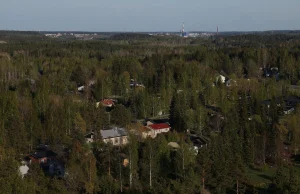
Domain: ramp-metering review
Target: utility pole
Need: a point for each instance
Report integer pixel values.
(109, 162)
(102, 89)
(200, 124)
(90, 174)
(237, 186)
(153, 106)
(150, 174)
(120, 168)
(109, 119)
(69, 126)
(130, 169)
(183, 160)
(203, 179)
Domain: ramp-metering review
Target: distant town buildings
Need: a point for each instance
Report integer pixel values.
(82, 36)
(90, 36)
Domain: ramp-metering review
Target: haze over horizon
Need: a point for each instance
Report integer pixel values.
(155, 15)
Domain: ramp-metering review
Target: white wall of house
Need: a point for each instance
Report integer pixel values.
(153, 133)
(150, 133)
(165, 130)
(89, 140)
(145, 134)
(117, 140)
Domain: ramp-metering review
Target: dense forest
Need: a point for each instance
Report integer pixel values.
(237, 93)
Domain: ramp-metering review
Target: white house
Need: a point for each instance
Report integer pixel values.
(221, 78)
(116, 136)
(80, 89)
(89, 138)
(23, 170)
(288, 110)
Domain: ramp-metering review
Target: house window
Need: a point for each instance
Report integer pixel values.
(117, 140)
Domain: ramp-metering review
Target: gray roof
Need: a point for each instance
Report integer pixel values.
(114, 132)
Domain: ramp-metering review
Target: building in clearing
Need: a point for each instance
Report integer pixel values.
(89, 137)
(105, 103)
(152, 130)
(220, 78)
(116, 136)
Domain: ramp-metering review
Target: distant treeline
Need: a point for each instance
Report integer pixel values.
(129, 36)
(20, 35)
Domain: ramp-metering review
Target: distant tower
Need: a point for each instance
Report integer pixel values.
(182, 32)
(217, 30)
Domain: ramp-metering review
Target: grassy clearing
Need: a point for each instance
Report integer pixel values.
(260, 178)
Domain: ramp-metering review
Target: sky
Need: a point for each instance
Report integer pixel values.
(149, 15)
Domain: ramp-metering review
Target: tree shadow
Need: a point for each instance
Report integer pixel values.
(266, 177)
(255, 169)
(296, 158)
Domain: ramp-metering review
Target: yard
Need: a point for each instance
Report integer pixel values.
(260, 178)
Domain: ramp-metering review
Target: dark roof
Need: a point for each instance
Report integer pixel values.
(289, 100)
(43, 154)
(292, 99)
(213, 108)
(89, 135)
(156, 121)
(197, 141)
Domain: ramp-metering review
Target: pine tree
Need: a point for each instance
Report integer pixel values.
(80, 124)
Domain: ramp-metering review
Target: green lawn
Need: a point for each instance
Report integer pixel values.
(260, 178)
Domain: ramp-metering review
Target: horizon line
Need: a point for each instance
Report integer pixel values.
(132, 31)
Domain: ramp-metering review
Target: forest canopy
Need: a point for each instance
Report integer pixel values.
(232, 104)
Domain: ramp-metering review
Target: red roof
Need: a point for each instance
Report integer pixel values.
(107, 102)
(159, 126)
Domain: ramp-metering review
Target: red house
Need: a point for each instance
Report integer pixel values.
(106, 103)
(154, 129)
(42, 155)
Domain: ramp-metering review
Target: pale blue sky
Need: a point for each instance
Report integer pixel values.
(151, 15)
